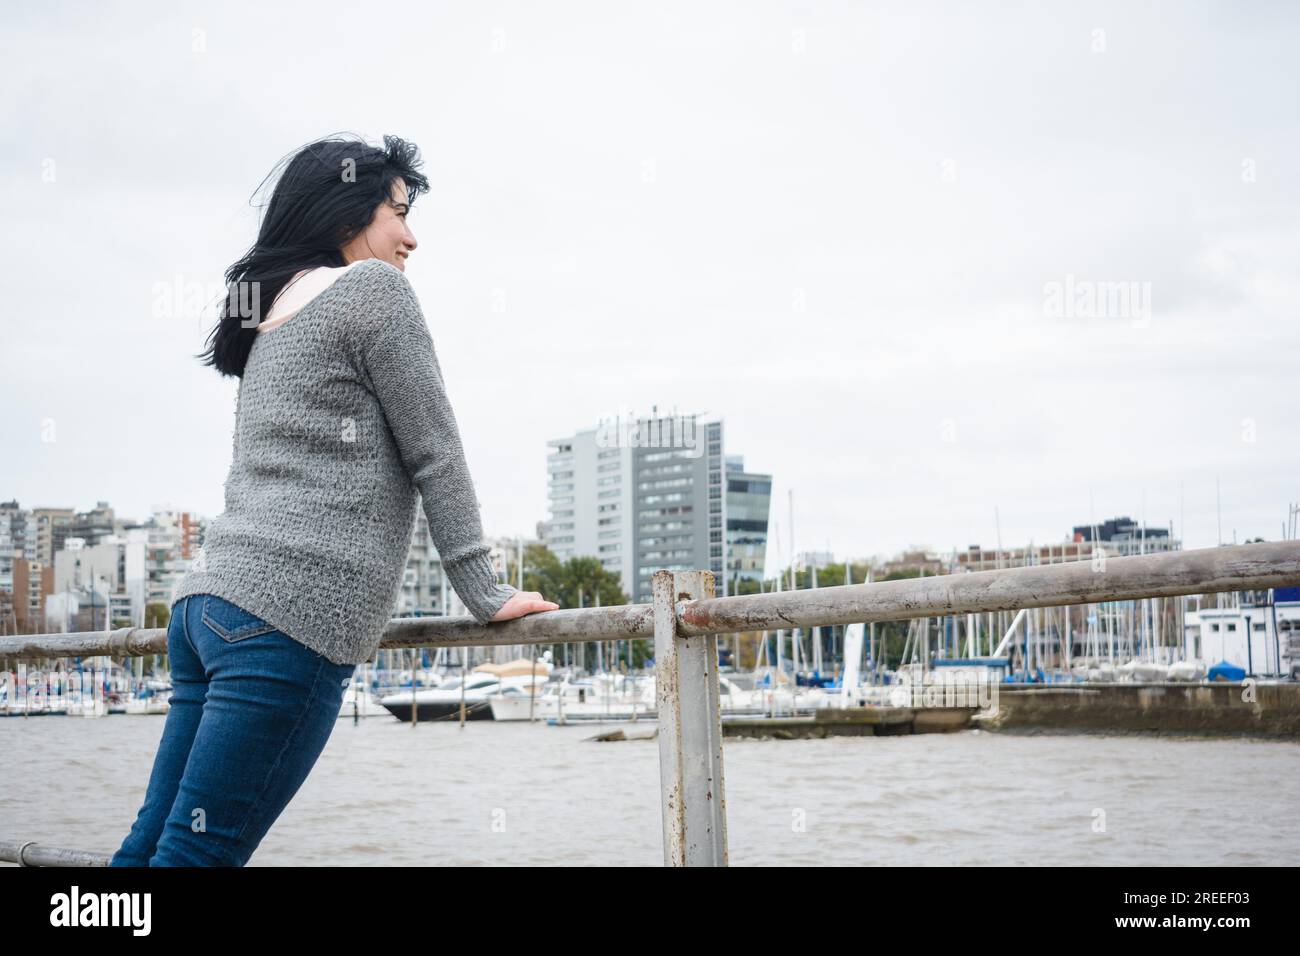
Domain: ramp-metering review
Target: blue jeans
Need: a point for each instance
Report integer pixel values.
(251, 710)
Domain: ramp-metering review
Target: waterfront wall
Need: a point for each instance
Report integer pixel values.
(1246, 709)
(1216, 709)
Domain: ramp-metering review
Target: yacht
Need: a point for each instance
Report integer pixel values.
(476, 690)
(610, 698)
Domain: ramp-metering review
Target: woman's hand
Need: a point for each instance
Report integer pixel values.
(521, 603)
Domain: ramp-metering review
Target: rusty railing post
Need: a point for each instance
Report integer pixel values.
(690, 727)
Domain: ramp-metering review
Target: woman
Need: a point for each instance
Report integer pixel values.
(342, 426)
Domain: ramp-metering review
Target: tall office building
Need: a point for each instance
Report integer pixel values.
(748, 504)
(643, 494)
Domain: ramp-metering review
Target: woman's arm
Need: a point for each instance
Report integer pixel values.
(397, 353)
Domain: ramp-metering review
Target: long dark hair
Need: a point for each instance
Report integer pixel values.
(327, 194)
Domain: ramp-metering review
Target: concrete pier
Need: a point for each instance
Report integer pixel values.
(858, 722)
(1205, 710)
(1217, 709)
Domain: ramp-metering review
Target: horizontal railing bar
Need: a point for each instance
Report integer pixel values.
(1242, 567)
(565, 626)
(38, 854)
(1202, 571)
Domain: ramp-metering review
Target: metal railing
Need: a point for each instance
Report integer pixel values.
(685, 618)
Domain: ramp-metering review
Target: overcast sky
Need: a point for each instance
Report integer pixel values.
(846, 228)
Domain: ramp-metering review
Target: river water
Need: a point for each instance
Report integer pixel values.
(520, 794)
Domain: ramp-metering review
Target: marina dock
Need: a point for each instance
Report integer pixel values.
(1224, 709)
(685, 619)
(858, 722)
(1231, 708)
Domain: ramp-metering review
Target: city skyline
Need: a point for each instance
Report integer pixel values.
(1158, 536)
(917, 301)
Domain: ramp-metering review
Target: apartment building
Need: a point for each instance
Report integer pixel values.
(643, 494)
(748, 506)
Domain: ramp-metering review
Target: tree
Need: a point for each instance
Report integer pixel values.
(569, 582)
(573, 583)
(157, 614)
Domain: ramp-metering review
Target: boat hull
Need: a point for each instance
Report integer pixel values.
(427, 711)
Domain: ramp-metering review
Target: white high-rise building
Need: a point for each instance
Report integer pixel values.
(115, 567)
(590, 491)
(640, 494)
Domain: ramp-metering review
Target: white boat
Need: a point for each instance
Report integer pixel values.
(609, 698)
(1102, 672)
(480, 686)
(1187, 671)
(1150, 672)
(603, 696)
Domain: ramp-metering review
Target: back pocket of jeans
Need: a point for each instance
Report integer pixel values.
(230, 622)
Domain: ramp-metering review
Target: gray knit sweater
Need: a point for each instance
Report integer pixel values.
(342, 424)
